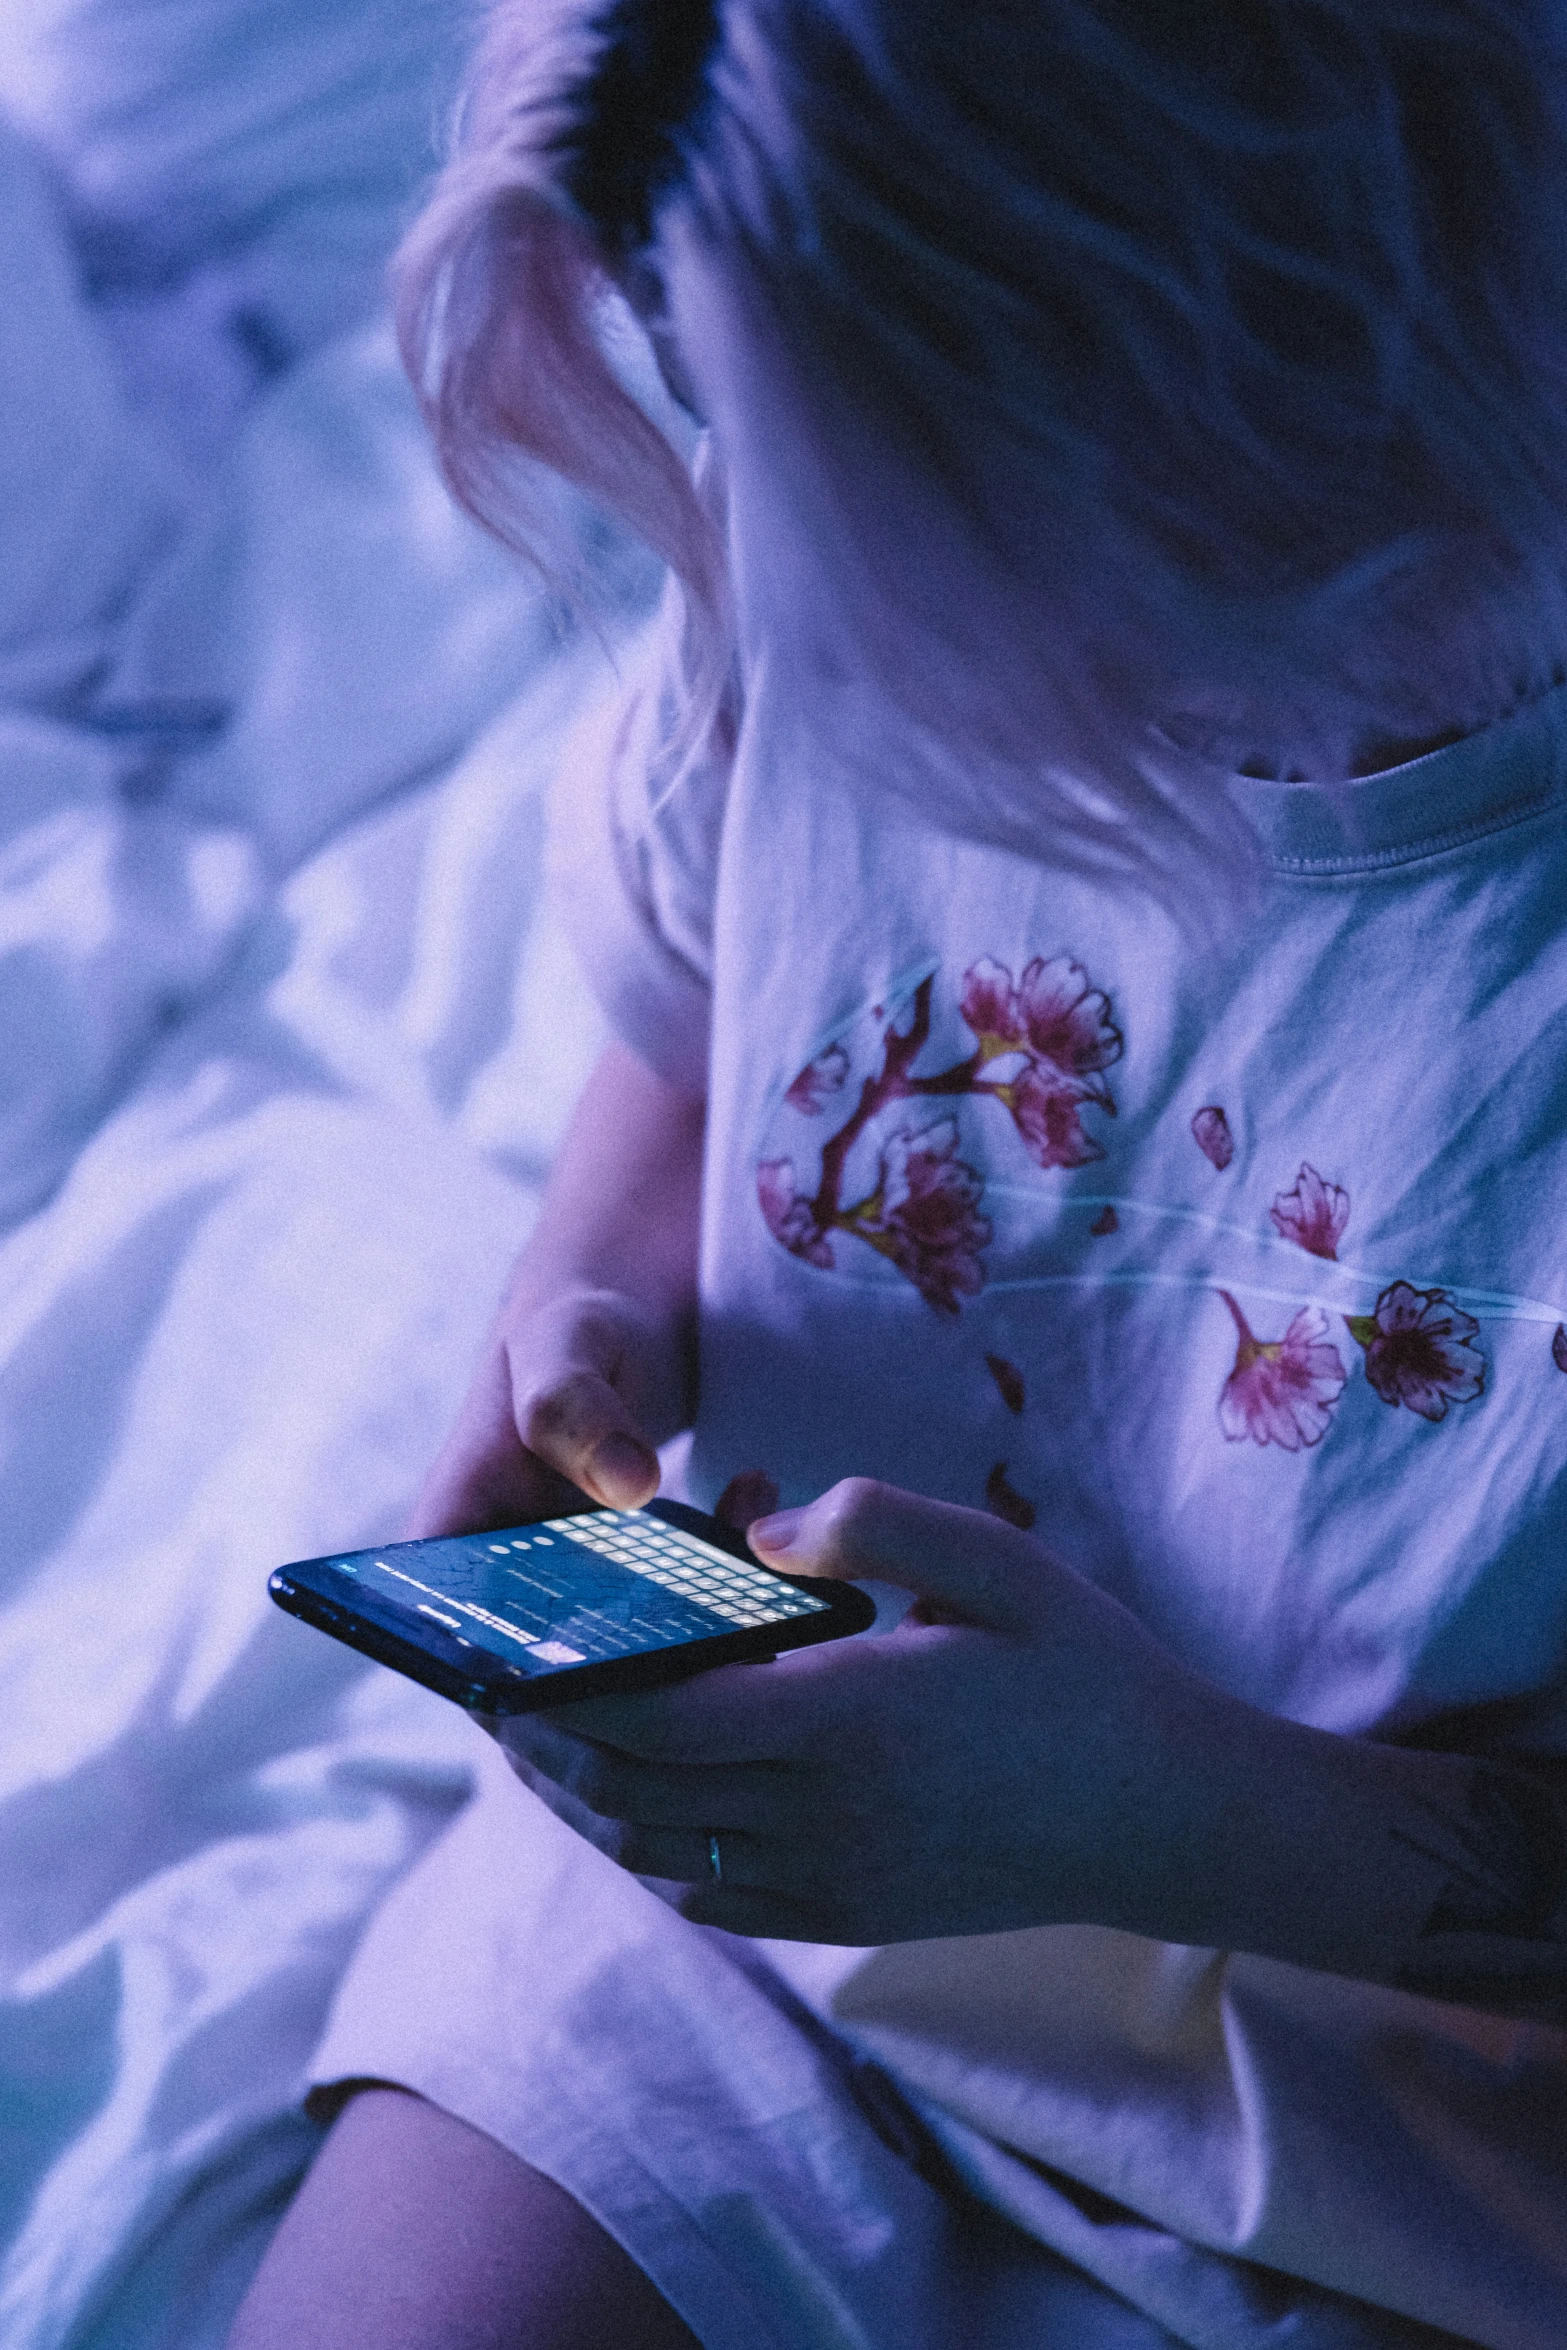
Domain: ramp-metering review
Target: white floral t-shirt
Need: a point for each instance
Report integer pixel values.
(1246, 1285)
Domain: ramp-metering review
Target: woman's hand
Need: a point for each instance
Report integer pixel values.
(1027, 1758)
(1021, 1752)
(560, 1409)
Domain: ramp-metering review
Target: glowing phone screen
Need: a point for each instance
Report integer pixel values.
(577, 1590)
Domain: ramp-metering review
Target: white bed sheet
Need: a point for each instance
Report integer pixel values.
(287, 1035)
(233, 1336)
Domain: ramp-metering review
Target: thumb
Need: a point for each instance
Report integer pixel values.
(966, 1561)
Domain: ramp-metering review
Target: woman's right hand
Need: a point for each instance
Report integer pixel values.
(565, 1405)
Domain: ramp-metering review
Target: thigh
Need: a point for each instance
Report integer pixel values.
(415, 2231)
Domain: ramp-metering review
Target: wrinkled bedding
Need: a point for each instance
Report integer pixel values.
(287, 1035)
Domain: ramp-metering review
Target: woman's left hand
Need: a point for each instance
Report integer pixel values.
(1030, 1756)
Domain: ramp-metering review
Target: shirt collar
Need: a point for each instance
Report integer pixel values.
(1510, 770)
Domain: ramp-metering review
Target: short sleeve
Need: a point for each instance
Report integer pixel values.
(636, 827)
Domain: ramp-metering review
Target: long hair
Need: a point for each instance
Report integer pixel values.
(1092, 378)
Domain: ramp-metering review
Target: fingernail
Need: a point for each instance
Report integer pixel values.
(620, 1461)
(777, 1532)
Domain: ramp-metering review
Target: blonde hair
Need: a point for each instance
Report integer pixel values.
(1085, 370)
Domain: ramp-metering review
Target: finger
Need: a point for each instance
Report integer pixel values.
(684, 1856)
(569, 1414)
(761, 1798)
(485, 1476)
(732, 1715)
(965, 1560)
(743, 1909)
(675, 1855)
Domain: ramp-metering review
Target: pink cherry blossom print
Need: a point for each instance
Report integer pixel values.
(790, 1218)
(1066, 1019)
(1559, 1347)
(1313, 1215)
(1420, 1350)
(925, 1214)
(987, 1000)
(1281, 1391)
(1047, 1112)
(1211, 1133)
(749, 1495)
(1009, 1382)
(819, 1078)
(1004, 1501)
(1044, 1045)
(1106, 1222)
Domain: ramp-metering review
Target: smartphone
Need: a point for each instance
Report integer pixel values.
(586, 1606)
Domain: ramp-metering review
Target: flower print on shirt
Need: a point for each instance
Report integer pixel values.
(789, 1216)
(1211, 1133)
(1420, 1350)
(988, 1001)
(1313, 1215)
(1048, 1116)
(819, 1078)
(1042, 1045)
(1419, 1347)
(1066, 1021)
(924, 1214)
(1281, 1391)
(1003, 1500)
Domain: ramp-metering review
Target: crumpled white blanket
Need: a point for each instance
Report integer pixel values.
(286, 1039)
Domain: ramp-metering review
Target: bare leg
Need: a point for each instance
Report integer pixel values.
(415, 2232)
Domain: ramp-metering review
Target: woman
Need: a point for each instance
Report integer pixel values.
(1076, 879)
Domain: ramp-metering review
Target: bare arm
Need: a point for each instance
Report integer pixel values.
(591, 1362)
(1443, 1874)
(621, 1208)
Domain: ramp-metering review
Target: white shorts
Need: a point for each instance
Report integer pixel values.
(776, 2187)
